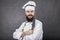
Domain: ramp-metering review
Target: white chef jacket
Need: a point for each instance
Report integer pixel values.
(37, 33)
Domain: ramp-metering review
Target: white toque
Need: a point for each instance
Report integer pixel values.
(29, 5)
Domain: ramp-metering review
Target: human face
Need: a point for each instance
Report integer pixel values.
(30, 13)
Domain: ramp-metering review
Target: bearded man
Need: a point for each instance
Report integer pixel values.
(31, 29)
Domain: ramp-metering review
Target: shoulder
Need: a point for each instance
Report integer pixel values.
(38, 21)
(23, 23)
(38, 25)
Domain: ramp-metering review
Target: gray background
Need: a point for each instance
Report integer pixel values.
(12, 15)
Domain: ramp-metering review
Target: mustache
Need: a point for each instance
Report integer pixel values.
(30, 15)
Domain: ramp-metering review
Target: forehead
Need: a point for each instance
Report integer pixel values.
(29, 10)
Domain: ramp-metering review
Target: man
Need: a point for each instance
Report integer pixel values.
(32, 28)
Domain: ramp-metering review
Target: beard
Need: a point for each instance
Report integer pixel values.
(30, 19)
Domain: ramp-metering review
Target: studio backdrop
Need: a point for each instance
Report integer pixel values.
(12, 15)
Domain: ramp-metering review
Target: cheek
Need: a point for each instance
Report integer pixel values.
(27, 13)
(33, 13)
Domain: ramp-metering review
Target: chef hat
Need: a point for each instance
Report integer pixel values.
(29, 5)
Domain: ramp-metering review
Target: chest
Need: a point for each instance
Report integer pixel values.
(27, 26)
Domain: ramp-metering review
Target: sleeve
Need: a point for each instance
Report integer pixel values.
(38, 33)
(18, 32)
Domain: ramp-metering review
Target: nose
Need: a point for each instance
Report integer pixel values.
(30, 12)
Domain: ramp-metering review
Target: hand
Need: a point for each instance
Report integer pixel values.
(27, 33)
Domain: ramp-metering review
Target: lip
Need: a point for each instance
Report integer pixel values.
(29, 15)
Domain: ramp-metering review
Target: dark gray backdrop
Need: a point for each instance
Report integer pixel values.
(12, 15)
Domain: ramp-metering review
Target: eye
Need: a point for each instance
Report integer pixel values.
(27, 11)
(31, 11)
